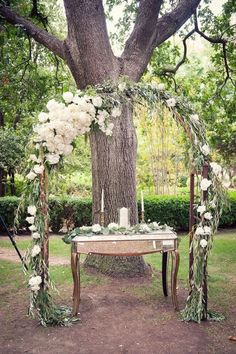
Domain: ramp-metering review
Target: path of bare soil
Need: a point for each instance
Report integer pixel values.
(114, 319)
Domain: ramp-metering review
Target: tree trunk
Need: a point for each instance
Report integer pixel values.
(114, 170)
(3, 176)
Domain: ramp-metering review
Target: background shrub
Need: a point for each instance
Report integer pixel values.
(74, 212)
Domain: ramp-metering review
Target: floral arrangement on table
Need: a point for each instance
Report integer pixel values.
(96, 109)
(115, 229)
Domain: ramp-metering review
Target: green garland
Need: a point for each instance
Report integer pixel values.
(109, 96)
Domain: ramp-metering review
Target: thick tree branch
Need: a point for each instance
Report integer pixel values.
(138, 49)
(40, 35)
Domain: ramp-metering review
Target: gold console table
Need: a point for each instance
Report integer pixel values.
(164, 241)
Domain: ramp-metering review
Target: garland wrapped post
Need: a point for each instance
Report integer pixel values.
(205, 275)
(191, 224)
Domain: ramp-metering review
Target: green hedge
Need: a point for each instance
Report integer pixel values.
(172, 210)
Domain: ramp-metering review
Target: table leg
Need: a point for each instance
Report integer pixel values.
(174, 273)
(164, 273)
(75, 268)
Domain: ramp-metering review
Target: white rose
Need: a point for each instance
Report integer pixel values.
(207, 230)
(205, 184)
(205, 149)
(42, 117)
(201, 209)
(203, 243)
(199, 231)
(97, 101)
(32, 210)
(217, 169)
(38, 169)
(113, 225)
(226, 180)
(194, 118)
(171, 102)
(116, 112)
(208, 216)
(212, 204)
(35, 235)
(68, 97)
(53, 158)
(34, 158)
(32, 228)
(30, 219)
(35, 250)
(161, 86)
(96, 228)
(34, 283)
(156, 225)
(51, 105)
(31, 176)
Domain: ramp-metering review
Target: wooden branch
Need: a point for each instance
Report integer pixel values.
(40, 35)
(137, 52)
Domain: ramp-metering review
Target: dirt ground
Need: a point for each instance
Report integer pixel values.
(114, 319)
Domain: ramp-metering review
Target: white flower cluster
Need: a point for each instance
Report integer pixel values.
(34, 282)
(203, 230)
(64, 121)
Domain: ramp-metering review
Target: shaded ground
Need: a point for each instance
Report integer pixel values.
(116, 317)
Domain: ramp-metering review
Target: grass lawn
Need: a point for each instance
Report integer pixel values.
(222, 269)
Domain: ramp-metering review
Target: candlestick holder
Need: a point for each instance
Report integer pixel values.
(102, 221)
(142, 217)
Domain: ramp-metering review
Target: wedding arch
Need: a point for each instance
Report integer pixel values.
(92, 111)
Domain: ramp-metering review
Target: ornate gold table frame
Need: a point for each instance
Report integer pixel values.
(127, 245)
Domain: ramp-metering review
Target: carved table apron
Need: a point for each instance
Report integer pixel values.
(127, 245)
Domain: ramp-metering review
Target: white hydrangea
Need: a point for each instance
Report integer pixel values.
(34, 282)
(31, 175)
(31, 210)
(203, 243)
(43, 117)
(97, 101)
(35, 235)
(34, 158)
(30, 219)
(201, 209)
(171, 102)
(205, 149)
(38, 169)
(208, 216)
(205, 184)
(217, 169)
(35, 250)
(96, 228)
(68, 97)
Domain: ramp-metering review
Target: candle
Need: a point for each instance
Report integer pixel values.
(102, 202)
(124, 217)
(142, 202)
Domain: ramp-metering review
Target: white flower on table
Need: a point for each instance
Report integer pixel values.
(68, 97)
(38, 169)
(97, 101)
(203, 243)
(208, 216)
(205, 149)
(201, 209)
(30, 219)
(205, 184)
(34, 282)
(217, 169)
(32, 210)
(113, 226)
(96, 228)
(171, 102)
(35, 235)
(35, 250)
(31, 175)
(144, 228)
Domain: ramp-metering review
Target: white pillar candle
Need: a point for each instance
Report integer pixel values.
(124, 217)
(102, 201)
(142, 201)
